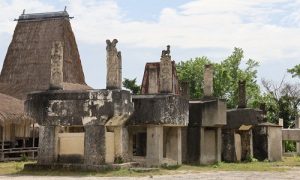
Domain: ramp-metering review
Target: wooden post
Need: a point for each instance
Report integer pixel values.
(3, 139)
(33, 138)
(24, 135)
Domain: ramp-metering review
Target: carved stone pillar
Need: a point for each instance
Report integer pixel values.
(114, 66)
(57, 57)
(165, 75)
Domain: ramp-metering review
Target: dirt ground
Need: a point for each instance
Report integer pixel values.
(293, 173)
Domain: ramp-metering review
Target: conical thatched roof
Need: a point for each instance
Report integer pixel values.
(26, 66)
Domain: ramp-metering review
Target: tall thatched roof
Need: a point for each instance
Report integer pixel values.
(26, 66)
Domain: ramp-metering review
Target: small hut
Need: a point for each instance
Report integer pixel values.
(18, 131)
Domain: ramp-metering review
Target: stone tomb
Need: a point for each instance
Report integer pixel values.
(267, 141)
(155, 129)
(82, 126)
(159, 115)
(76, 125)
(237, 134)
(206, 117)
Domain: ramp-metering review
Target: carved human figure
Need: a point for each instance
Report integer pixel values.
(114, 65)
(165, 75)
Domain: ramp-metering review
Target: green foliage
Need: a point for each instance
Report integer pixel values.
(24, 158)
(295, 71)
(290, 146)
(250, 158)
(118, 160)
(131, 85)
(282, 101)
(227, 74)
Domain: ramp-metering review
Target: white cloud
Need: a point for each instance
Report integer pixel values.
(12, 9)
(255, 25)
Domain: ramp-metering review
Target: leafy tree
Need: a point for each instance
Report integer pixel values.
(131, 85)
(227, 74)
(282, 101)
(295, 71)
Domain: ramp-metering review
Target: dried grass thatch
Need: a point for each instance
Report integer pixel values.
(26, 66)
(12, 110)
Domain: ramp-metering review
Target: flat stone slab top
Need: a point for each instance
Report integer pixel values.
(207, 112)
(243, 116)
(84, 107)
(160, 109)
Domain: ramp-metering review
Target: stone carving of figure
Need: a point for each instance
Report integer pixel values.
(166, 53)
(165, 75)
(114, 63)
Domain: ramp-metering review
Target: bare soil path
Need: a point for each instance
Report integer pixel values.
(293, 173)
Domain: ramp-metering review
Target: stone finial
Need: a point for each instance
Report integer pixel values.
(185, 89)
(57, 56)
(280, 122)
(114, 65)
(242, 94)
(208, 80)
(165, 75)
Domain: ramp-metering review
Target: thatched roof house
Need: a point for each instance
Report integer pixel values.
(26, 66)
(13, 122)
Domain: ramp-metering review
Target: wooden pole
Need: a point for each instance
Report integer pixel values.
(3, 139)
(24, 135)
(33, 135)
(33, 138)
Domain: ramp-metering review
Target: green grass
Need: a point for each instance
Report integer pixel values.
(16, 168)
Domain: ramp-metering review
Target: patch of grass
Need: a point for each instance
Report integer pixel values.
(288, 162)
(12, 167)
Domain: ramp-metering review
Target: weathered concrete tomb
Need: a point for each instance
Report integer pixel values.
(159, 115)
(82, 126)
(247, 135)
(206, 117)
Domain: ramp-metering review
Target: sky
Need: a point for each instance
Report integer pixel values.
(267, 30)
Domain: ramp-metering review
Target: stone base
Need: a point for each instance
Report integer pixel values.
(79, 167)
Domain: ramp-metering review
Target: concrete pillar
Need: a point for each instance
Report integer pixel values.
(94, 144)
(173, 149)
(154, 155)
(184, 144)
(48, 144)
(219, 144)
(202, 146)
(185, 89)
(56, 69)
(121, 142)
(114, 65)
(242, 94)
(208, 80)
(280, 122)
(297, 125)
(165, 75)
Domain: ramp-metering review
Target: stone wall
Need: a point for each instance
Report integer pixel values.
(160, 109)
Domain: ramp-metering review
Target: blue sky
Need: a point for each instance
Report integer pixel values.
(267, 30)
